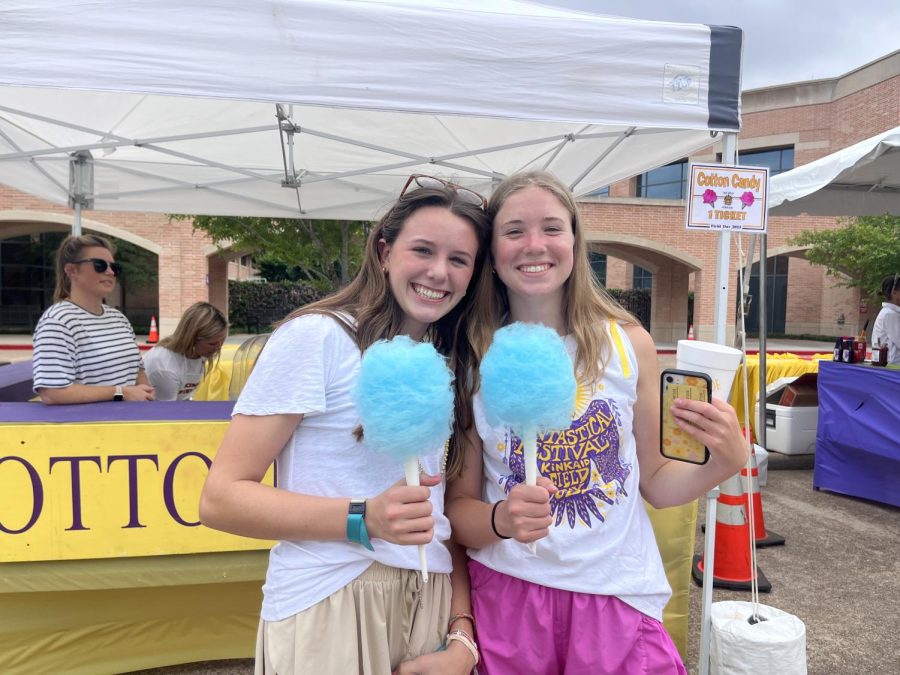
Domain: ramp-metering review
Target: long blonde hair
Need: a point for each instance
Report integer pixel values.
(200, 321)
(70, 251)
(586, 304)
(376, 315)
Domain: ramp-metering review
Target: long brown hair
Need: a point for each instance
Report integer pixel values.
(69, 251)
(375, 314)
(586, 304)
(200, 321)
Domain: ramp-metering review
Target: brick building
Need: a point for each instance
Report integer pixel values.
(639, 223)
(636, 226)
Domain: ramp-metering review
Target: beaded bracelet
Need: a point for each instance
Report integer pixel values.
(460, 615)
(466, 641)
(494, 516)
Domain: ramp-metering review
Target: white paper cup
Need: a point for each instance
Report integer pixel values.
(717, 361)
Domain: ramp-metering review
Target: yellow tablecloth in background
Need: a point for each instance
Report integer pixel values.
(777, 366)
(214, 386)
(84, 617)
(109, 598)
(675, 529)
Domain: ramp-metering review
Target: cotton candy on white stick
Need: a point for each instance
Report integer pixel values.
(404, 396)
(528, 384)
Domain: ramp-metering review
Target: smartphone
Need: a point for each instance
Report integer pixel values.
(673, 442)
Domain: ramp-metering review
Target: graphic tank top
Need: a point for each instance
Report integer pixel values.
(600, 540)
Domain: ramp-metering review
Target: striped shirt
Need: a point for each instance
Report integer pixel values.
(73, 346)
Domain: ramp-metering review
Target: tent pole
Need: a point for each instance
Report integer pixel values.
(76, 222)
(720, 318)
(729, 157)
(709, 557)
(763, 327)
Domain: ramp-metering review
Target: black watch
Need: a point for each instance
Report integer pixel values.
(118, 396)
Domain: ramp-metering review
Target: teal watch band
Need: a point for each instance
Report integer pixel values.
(356, 524)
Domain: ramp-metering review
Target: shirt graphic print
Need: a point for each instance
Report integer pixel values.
(582, 461)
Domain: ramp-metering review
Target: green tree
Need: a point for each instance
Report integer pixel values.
(325, 253)
(859, 254)
(139, 266)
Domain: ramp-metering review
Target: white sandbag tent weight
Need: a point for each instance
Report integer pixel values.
(176, 102)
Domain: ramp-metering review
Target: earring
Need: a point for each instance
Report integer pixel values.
(384, 269)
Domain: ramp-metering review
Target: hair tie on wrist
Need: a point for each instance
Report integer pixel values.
(493, 516)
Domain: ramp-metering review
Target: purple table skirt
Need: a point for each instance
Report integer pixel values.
(124, 411)
(858, 435)
(15, 381)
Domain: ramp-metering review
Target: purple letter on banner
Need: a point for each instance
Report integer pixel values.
(132, 460)
(76, 486)
(169, 489)
(37, 491)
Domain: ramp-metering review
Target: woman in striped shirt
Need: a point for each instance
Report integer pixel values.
(84, 351)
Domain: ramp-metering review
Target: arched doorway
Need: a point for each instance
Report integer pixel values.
(27, 277)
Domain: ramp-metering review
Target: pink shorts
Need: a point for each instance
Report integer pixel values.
(527, 628)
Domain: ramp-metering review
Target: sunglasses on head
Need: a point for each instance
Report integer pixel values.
(463, 194)
(100, 265)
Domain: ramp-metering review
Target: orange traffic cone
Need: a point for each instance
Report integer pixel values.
(153, 338)
(691, 332)
(754, 500)
(732, 568)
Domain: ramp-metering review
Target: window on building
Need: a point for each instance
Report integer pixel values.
(641, 278)
(778, 160)
(666, 182)
(598, 265)
(27, 278)
(776, 295)
(602, 192)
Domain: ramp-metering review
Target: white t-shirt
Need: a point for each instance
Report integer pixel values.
(309, 366)
(173, 375)
(73, 346)
(601, 540)
(886, 330)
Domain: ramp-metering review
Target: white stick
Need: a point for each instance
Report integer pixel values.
(411, 467)
(530, 457)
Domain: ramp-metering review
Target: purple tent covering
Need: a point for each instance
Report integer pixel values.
(124, 411)
(858, 436)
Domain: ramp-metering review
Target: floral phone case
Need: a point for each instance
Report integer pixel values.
(675, 443)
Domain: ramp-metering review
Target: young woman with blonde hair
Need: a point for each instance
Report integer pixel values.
(176, 366)
(84, 350)
(341, 593)
(591, 599)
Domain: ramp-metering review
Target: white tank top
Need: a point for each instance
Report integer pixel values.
(601, 540)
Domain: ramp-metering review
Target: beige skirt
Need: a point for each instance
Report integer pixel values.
(380, 619)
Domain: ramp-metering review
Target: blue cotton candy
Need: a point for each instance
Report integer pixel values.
(527, 379)
(404, 397)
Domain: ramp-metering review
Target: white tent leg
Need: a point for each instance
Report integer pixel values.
(729, 157)
(709, 555)
(720, 318)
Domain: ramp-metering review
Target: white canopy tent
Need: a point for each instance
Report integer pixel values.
(172, 105)
(861, 180)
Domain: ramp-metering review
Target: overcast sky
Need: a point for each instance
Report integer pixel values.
(784, 40)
